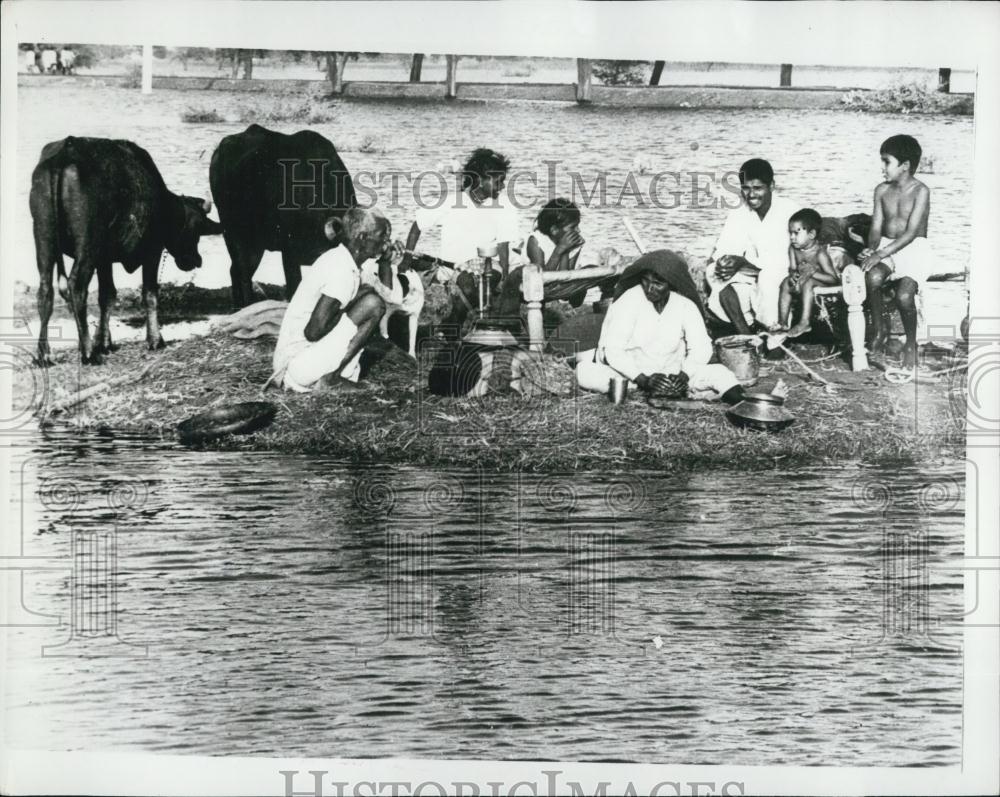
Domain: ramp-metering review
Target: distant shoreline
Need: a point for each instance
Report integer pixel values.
(664, 96)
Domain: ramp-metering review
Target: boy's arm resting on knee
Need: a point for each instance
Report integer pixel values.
(875, 231)
(325, 316)
(793, 269)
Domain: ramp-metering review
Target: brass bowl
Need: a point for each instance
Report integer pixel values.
(760, 411)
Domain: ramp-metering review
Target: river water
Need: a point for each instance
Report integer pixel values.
(282, 605)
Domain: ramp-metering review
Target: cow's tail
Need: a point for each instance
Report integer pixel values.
(55, 192)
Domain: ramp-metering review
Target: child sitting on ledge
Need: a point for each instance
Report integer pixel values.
(809, 266)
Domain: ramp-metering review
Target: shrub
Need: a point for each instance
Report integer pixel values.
(620, 73)
(369, 144)
(133, 76)
(196, 116)
(907, 98)
(309, 110)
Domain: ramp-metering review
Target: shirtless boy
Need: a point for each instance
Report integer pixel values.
(898, 252)
(809, 266)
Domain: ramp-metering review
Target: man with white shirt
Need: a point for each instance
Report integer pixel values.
(328, 320)
(751, 255)
(476, 217)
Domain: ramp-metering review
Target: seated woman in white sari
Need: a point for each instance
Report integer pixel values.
(654, 335)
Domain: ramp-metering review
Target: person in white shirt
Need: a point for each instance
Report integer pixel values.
(478, 216)
(328, 320)
(654, 336)
(750, 259)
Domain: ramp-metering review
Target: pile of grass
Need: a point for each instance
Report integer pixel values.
(908, 98)
(396, 420)
(201, 116)
(267, 109)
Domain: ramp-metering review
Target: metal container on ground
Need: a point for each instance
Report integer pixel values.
(617, 389)
(741, 355)
(761, 411)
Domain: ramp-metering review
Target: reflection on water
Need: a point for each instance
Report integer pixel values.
(300, 606)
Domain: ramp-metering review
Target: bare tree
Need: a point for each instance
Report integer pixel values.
(239, 58)
(335, 64)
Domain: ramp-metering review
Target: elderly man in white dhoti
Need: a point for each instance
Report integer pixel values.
(332, 315)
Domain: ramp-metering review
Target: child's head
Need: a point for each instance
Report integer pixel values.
(485, 169)
(803, 227)
(556, 217)
(905, 149)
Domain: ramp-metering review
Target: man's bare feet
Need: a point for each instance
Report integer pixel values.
(799, 329)
(909, 357)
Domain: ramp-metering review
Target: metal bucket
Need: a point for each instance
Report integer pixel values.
(740, 354)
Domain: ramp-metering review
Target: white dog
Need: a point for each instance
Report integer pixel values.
(409, 300)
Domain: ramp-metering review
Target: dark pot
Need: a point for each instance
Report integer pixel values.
(761, 411)
(243, 418)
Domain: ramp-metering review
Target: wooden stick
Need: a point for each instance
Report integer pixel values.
(961, 367)
(797, 359)
(87, 392)
(777, 341)
(588, 272)
(632, 231)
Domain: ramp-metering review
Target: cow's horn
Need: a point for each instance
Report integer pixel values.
(207, 204)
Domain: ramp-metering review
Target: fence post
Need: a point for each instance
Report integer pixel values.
(944, 80)
(451, 79)
(654, 79)
(583, 78)
(335, 72)
(786, 76)
(415, 65)
(147, 69)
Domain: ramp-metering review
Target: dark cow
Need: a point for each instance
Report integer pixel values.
(103, 202)
(276, 192)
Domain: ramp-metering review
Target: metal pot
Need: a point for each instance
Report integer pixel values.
(489, 334)
(762, 411)
(741, 355)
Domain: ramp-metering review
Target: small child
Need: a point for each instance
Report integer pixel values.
(555, 245)
(898, 253)
(558, 247)
(809, 266)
